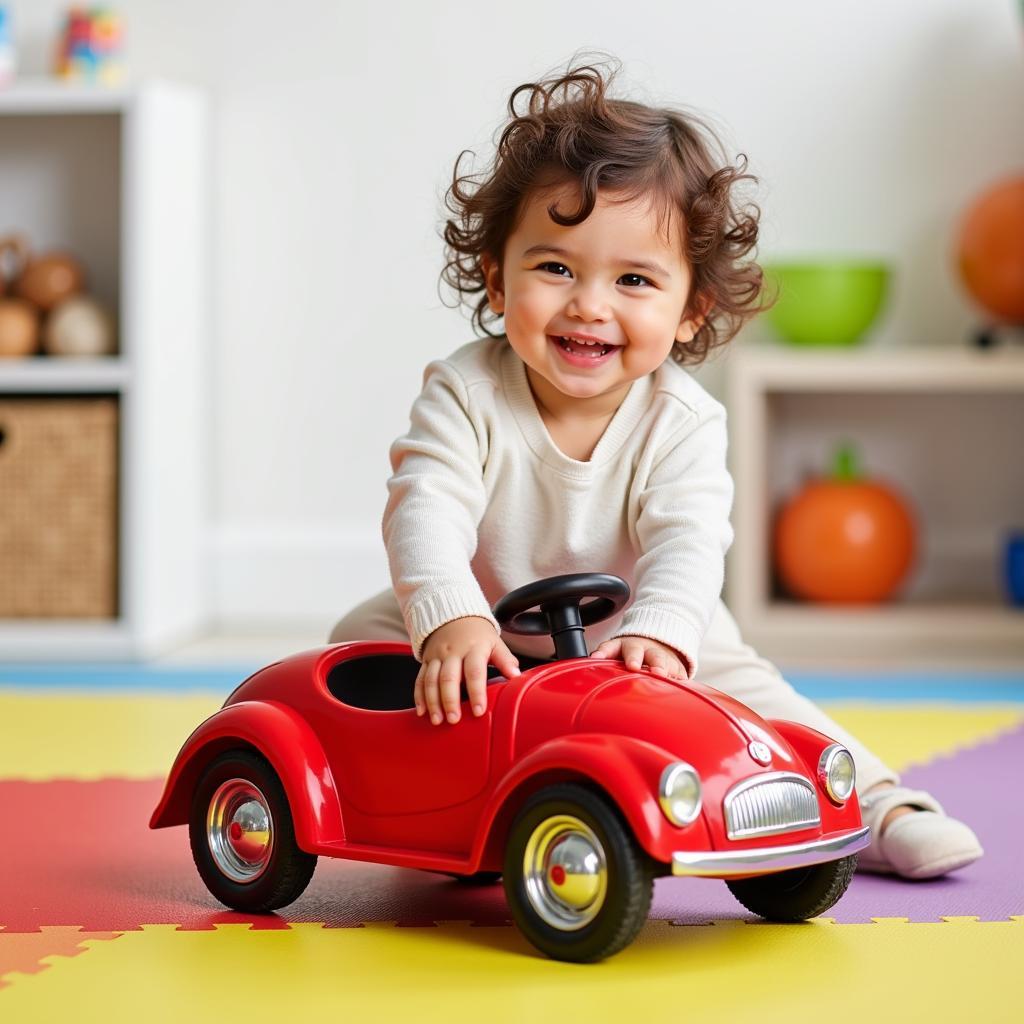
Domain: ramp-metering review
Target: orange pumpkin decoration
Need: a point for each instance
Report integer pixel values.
(844, 539)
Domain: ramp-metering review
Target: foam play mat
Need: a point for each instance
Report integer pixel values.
(103, 919)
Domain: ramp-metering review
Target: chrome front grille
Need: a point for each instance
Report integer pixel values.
(768, 804)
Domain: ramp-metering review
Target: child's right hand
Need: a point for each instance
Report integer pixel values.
(462, 647)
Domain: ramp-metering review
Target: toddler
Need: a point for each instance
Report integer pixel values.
(607, 239)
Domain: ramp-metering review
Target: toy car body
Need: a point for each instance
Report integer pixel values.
(580, 783)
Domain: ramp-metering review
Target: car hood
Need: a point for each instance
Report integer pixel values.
(689, 721)
(696, 723)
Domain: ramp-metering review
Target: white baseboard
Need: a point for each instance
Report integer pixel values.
(289, 576)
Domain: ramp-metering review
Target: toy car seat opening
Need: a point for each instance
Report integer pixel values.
(385, 682)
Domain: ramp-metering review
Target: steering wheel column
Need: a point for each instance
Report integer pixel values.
(566, 628)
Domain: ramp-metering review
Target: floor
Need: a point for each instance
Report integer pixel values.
(102, 919)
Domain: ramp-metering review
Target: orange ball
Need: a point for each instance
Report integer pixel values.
(991, 251)
(844, 541)
(48, 280)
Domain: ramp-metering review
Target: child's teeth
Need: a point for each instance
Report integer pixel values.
(574, 344)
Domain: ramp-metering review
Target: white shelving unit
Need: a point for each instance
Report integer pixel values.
(944, 427)
(118, 176)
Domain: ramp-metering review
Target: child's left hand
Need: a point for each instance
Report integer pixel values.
(637, 651)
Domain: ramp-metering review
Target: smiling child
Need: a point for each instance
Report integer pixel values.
(608, 240)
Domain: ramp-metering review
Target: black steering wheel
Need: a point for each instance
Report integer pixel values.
(561, 613)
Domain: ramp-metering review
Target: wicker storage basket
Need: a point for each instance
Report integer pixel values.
(58, 507)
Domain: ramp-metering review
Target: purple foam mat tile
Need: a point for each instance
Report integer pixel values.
(983, 786)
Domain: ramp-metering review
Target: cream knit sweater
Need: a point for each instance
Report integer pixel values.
(482, 501)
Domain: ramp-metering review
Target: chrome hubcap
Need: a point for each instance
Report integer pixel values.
(565, 872)
(240, 830)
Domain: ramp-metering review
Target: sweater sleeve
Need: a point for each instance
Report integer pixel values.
(436, 499)
(684, 533)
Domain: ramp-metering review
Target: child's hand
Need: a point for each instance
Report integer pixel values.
(636, 651)
(462, 646)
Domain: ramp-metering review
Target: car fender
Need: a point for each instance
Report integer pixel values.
(808, 744)
(627, 769)
(286, 740)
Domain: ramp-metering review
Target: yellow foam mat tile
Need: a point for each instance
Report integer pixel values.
(455, 972)
(907, 734)
(68, 734)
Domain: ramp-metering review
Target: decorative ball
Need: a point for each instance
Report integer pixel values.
(79, 326)
(19, 328)
(844, 539)
(990, 251)
(48, 280)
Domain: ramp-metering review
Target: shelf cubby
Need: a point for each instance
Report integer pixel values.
(118, 177)
(941, 425)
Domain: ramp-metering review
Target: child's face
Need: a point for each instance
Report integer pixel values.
(615, 279)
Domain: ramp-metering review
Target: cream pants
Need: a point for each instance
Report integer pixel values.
(725, 662)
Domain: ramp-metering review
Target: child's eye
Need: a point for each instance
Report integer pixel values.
(634, 279)
(555, 268)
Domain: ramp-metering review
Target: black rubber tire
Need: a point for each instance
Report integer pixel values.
(290, 869)
(630, 877)
(795, 895)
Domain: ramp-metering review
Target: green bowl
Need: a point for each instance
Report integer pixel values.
(832, 303)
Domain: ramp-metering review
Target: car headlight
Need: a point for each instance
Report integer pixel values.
(679, 793)
(837, 774)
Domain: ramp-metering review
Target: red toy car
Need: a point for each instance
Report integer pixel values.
(581, 783)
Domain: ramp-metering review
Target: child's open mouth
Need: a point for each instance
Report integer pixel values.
(582, 353)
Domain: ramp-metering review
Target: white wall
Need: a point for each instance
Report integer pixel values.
(870, 124)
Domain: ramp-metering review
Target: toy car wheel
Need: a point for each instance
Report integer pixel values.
(577, 882)
(795, 895)
(242, 836)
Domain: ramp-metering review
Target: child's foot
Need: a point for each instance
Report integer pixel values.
(911, 835)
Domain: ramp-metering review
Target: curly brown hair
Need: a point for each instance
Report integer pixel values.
(570, 130)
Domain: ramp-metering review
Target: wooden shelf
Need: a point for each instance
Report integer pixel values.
(938, 622)
(942, 424)
(63, 375)
(65, 640)
(42, 95)
(775, 368)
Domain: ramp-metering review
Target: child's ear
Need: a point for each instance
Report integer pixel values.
(493, 281)
(694, 315)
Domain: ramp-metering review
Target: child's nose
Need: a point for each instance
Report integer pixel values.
(589, 303)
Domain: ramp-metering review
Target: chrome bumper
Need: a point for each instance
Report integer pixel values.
(762, 860)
